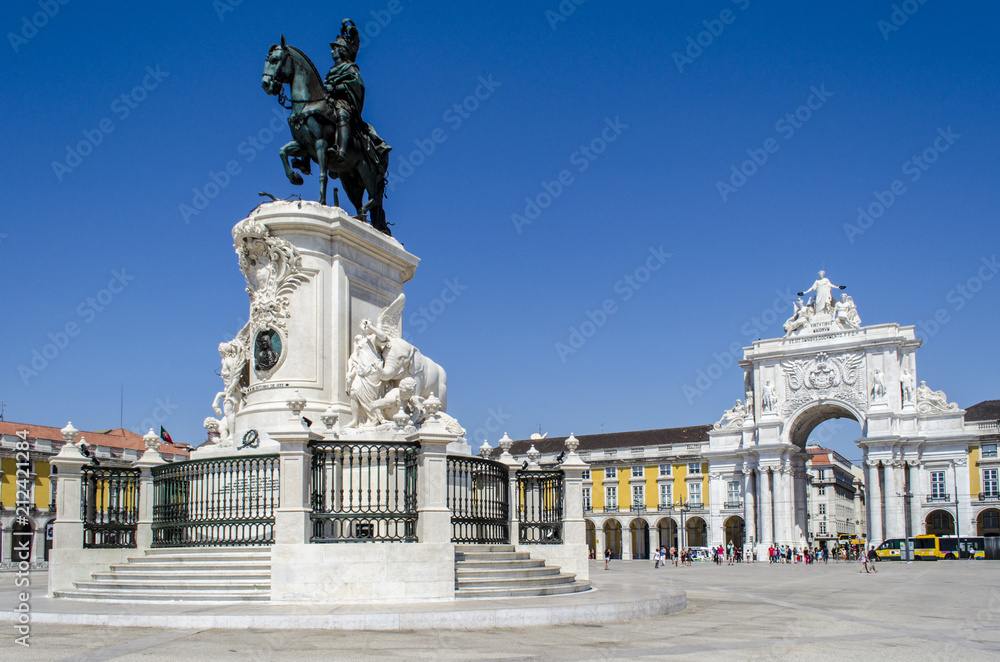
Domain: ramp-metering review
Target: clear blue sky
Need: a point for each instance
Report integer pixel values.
(642, 122)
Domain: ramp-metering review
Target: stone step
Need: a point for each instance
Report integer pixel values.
(214, 585)
(222, 549)
(131, 574)
(503, 572)
(515, 582)
(201, 558)
(124, 595)
(181, 566)
(560, 589)
(483, 548)
(521, 563)
(491, 556)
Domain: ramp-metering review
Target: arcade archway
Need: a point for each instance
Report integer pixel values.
(613, 537)
(696, 532)
(591, 536)
(988, 522)
(667, 532)
(940, 523)
(734, 531)
(639, 530)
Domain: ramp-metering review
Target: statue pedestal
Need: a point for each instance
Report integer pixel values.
(313, 274)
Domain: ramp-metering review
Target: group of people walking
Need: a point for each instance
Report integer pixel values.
(789, 554)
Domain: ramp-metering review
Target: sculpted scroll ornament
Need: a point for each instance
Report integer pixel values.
(825, 377)
(272, 268)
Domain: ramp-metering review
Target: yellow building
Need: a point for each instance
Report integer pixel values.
(27, 498)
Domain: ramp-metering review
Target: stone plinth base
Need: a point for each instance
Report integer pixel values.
(571, 558)
(362, 572)
(76, 565)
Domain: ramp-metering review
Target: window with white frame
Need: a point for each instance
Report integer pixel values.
(586, 474)
(694, 493)
(990, 486)
(694, 467)
(989, 450)
(822, 528)
(666, 494)
(939, 488)
(586, 499)
(636, 472)
(638, 496)
(611, 472)
(611, 497)
(665, 470)
(733, 492)
(821, 491)
(822, 509)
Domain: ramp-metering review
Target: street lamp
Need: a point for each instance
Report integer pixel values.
(684, 509)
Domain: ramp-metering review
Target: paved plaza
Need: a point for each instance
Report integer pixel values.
(941, 611)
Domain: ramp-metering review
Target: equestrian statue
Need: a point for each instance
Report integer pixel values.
(326, 123)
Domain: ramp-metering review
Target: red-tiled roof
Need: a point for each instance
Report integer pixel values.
(987, 410)
(117, 438)
(695, 434)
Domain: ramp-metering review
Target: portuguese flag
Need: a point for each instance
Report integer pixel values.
(165, 436)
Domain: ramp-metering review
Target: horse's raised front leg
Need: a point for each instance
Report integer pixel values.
(292, 149)
(321, 161)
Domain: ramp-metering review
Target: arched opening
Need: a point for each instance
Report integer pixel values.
(639, 530)
(613, 537)
(21, 539)
(988, 522)
(734, 531)
(830, 496)
(940, 523)
(696, 532)
(591, 537)
(49, 530)
(667, 532)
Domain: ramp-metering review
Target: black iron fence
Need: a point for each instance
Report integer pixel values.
(364, 491)
(213, 503)
(540, 506)
(479, 499)
(109, 506)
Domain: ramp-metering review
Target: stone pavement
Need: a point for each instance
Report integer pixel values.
(939, 611)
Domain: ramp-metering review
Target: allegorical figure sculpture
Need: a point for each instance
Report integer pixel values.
(363, 383)
(326, 124)
(878, 390)
(234, 381)
(822, 287)
(769, 399)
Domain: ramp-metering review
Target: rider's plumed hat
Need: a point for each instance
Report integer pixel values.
(349, 39)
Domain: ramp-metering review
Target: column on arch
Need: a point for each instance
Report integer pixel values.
(892, 497)
(750, 505)
(873, 495)
(800, 527)
(765, 487)
(627, 541)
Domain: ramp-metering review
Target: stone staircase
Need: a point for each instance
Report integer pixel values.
(497, 571)
(213, 574)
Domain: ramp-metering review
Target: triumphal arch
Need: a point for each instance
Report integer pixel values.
(828, 365)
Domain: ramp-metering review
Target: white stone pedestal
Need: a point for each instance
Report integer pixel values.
(313, 273)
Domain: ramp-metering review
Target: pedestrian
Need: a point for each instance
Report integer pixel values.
(607, 557)
(872, 557)
(673, 555)
(656, 558)
(863, 563)
(663, 555)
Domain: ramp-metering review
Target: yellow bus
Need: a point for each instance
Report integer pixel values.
(889, 550)
(962, 547)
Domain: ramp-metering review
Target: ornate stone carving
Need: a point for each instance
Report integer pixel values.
(878, 390)
(769, 399)
(933, 401)
(825, 377)
(732, 419)
(822, 314)
(272, 268)
(906, 387)
(235, 373)
(961, 461)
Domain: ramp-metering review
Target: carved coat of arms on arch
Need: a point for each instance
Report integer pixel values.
(840, 376)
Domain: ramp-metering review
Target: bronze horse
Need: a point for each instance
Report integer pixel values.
(313, 135)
